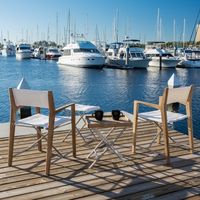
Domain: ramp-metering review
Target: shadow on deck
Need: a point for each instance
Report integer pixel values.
(144, 175)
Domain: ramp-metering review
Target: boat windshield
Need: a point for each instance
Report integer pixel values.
(137, 55)
(53, 50)
(86, 50)
(167, 55)
(24, 48)
(191, 54)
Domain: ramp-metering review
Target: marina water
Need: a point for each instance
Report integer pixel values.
(108, 88)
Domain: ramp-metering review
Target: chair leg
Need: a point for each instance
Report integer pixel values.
(11, 143)
(135, 124)
(190, 128)
(190, 135)
(49, 150)
(165, 136)
(159, 131)
(39, 139)
(73, 120)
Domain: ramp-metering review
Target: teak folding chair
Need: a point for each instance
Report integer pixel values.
(39, 99)
(162, 118)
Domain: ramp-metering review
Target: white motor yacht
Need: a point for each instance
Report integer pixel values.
(126, 55)
(82, 54)
(190, 58)
(8, 49)
(39, 53)
(23, 51)
(160, 57)
(53, 53)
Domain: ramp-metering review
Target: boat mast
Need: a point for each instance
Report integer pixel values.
(8, 36)
(104, 35)
(194, 27)
(27, 36)
(37, 32)
(116, 24)
(86, 27)
(1, 36)
(97, 38)
(183, 32)
(22, 35)
(68, 28)
(174, 32)
(48, 33)
(57, 28)
(160, 30)
(158, 26)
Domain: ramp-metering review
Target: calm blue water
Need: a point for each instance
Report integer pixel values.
(108, 88)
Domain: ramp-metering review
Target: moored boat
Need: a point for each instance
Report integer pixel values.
(126, 55)
(39, 53)
(53, 53)
(159, 56)
(23, 51)
(190, 58)
(82, 54)
(8, 49)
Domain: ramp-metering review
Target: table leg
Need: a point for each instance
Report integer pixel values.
(109, 145)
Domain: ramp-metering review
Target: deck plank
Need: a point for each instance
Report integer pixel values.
(144, 176)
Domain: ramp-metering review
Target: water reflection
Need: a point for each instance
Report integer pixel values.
(108, 88)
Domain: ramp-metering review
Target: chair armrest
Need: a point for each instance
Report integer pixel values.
(63, 107)
(156, 106)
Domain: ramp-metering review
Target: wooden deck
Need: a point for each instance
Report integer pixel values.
(144, 176)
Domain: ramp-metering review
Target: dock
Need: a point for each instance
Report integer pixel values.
(143, 175)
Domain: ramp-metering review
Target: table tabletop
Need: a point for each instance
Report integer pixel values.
(107, 121)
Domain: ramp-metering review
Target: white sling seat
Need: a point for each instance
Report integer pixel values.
(163, 118)
(156, 116)
(39, 99)
(81, 110)
(40, 120)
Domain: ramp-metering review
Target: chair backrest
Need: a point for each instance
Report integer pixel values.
(33, 98)
(181, 95)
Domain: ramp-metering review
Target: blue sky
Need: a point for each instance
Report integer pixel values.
(31, 19)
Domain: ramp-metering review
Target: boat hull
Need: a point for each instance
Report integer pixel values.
(52, 57)
(7, 53)
(166, 63)
(23, 55)
(84, 62)
(121, 63)
(189, 63)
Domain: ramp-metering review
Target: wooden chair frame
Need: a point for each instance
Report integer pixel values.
(162, 106)
(52, 113)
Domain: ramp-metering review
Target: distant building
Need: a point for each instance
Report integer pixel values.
(197, 38)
